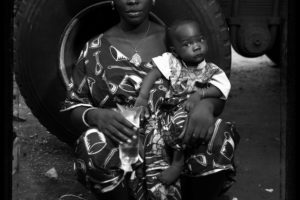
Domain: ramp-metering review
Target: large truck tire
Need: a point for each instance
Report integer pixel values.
(40, 25)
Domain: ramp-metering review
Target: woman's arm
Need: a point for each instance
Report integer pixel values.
(201, 93)
(110, 122)
(216, 105)
(76, 118)
(201, 118)
(84, 114)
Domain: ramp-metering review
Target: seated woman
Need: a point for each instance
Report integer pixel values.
(110, 70)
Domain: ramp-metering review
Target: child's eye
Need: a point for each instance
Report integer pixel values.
(187, 44)
(202, 39)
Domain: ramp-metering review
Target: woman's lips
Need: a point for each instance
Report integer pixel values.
(134, 13)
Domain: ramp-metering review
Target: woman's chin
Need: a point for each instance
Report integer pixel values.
(135, 19)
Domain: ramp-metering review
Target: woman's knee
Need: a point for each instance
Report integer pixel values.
(225, 138)
(97, 162)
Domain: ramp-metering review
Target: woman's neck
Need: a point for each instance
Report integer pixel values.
(134, 30)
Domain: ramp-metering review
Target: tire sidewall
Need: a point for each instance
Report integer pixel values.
(38, 28)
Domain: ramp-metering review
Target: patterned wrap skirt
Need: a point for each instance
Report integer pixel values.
(98, 162)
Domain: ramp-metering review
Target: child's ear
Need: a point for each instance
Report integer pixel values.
(172, 49)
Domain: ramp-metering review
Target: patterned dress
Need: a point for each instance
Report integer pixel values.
(103, 77)
(184, 81)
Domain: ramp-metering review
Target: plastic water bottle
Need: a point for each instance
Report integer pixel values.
(129, 152)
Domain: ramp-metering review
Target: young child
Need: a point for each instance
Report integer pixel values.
(191, 79)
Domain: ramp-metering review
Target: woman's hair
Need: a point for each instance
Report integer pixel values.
(172, 29)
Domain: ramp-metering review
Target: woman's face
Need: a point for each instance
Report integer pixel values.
(134, 12)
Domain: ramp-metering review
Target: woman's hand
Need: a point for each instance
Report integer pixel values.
(200, 120)
(190, 103)
(112, 124)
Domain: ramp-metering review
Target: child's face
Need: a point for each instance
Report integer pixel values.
(189, 43)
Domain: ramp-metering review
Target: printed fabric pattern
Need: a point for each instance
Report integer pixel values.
(103, 77)
(184, 80)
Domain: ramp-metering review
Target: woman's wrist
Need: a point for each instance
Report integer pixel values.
(213, 105)
(87, 121)
(207, 104)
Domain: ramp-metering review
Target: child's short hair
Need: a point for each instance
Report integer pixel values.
(173, 26)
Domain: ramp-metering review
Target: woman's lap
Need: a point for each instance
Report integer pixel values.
(97, 161)
(98, 168)
(97, 165)
(217, 155)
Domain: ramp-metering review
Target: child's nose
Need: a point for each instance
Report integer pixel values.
(196, 46)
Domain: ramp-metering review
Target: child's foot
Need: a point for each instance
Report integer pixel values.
(170, 175)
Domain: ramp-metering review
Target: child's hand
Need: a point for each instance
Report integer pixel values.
(190, 103)
(140, 101)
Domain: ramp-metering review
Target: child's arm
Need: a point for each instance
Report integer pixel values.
(219, 88)
(201, 93)
(148, 81)
(210, 92)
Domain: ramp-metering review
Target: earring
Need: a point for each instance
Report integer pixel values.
(112, 3)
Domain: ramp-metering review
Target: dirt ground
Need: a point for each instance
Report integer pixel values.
(254, 104)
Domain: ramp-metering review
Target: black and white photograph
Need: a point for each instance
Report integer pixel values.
(150, 100)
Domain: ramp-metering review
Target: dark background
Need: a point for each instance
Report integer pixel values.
(6, 98)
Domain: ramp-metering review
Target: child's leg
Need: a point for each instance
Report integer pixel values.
(172, 173)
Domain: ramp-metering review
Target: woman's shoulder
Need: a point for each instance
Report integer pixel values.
(112, 35)
(111, 32)
(157, 30)
(92, 45)
(95, 39)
